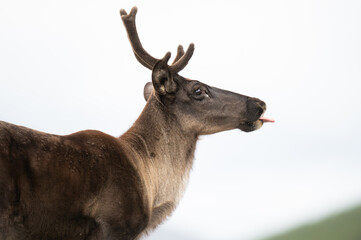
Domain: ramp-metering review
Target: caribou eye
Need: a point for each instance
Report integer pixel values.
(198, 91)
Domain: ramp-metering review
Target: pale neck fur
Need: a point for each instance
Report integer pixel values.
(162, 153)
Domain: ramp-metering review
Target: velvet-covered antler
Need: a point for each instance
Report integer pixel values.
(142, 55)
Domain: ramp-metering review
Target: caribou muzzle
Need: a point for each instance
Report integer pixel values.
(254, 115)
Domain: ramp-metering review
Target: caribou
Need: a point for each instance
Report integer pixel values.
(90, 185)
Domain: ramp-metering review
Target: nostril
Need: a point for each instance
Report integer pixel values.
(262, 104)
(255, 109)
(259, 103)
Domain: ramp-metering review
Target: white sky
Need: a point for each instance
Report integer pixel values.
(66, 66)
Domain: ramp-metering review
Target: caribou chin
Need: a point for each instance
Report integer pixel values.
(250, 126)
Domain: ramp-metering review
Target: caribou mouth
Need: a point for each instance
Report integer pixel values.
(252, 126)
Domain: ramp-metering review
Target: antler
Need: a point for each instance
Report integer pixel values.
(180, 53)
(142, 55)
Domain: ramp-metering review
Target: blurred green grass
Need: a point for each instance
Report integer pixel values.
(341, 226)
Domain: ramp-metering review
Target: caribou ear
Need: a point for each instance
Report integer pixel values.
(148, 88)
(162, 79)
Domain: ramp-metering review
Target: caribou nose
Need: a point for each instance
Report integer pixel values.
(255, 108)
(260, 103)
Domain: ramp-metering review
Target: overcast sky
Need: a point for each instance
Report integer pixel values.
(67, 66)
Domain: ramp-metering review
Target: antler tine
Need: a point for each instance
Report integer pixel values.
(180, 53)
(183, 61)
(142, 56)
(166, 57)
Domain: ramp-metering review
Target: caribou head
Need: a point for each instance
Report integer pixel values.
(200, 108)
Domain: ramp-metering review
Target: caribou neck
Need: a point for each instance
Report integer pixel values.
(162, 152)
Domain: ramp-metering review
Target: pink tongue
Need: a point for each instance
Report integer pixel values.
(266, 120)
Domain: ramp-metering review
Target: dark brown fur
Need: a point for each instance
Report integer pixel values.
(51, 184)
